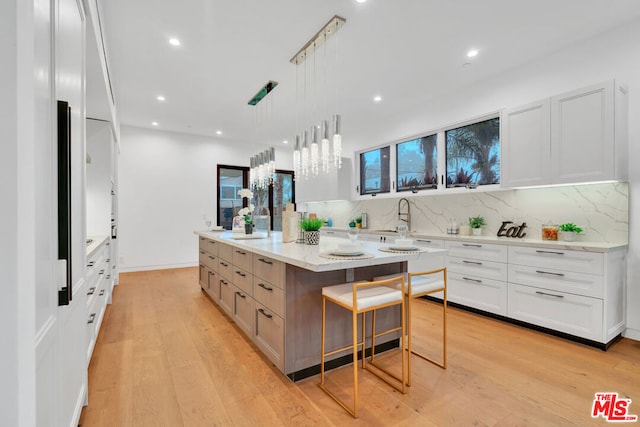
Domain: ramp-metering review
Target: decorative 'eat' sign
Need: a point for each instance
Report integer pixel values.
(512, 231)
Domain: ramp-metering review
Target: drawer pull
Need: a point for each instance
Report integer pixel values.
(241, 253)
(241, 274)
(108, 277)
(101, 293)
(240, 295)
(202, 239)
(549, 272)
(223, 282)
(101, 271)
(550, 295)
(472, 245)
(265, 287)
(265, 261)
(92, 318)
(423, 240)
(201, 252)
(550, 252)
(108, 259)
(471, 262)
(264, 313)
(224, 264)
(472, 280)
(211, 273)
(91, 263)
(330, 232)
(91, 290)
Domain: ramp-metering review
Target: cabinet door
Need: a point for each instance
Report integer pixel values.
(269, 335)
(582, 135)
(526, 145)
(483, 294)
(243, 311)
(226, 296)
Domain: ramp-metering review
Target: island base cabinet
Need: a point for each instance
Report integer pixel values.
(480, 293)
(226, 296)
(243, 311)
(573, 314)
(269, 334)
(203, 277)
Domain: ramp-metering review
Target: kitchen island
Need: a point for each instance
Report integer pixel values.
(272, 291)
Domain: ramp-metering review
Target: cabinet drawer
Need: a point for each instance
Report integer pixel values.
(425, 242)
(225, 252)
(269, 269)
(576, 261)
(268, 295)
(243, 311)
(269, 335)
(557, 280)
(478, 268)
(572, 314)
(226, 295)
(333, 233)
(243, 280)
(483, 251)
(225, 268)
(483, 294)
(211, 261)
(202, 256)
(212, 247)
(243, 259)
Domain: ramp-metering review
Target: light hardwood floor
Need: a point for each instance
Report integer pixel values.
(167, 356)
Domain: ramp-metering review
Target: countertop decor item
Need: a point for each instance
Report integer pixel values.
(311, 227)
(476, 223)
(549, 231)
(569, 231)
(246, 212)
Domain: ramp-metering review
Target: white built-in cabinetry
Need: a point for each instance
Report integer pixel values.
(578, 136)
(98, 290)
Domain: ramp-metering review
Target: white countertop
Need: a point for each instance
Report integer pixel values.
(308, 256)
(97, 241)
(526, 241)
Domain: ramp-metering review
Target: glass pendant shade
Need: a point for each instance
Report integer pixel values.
(337, 141)
(305, 155)
(324, 147)
(315, 151)
(296, 157)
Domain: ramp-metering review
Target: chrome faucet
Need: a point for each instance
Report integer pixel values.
(405, 216)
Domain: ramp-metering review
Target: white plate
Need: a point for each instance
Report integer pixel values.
(404, 248)
(346, 253)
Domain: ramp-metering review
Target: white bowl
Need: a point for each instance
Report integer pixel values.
(403, 242)
(349, 247)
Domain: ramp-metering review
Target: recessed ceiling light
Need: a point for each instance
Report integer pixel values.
(154, 123)
(377, 98)
(160, 98)
(472, 53)
(218, 132)
(361, 1)
(174, 42)
(285, 142)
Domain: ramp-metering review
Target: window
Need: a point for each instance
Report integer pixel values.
(374, 171)
(473, 154)
(232, 179)
(417, 164)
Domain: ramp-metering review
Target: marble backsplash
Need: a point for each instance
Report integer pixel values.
(602, 210)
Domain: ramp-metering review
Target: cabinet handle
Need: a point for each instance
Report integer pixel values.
(223, 282)
(472, 280)
(471, 262)
(108, 277)
(91, 263)
(108, 259)
(550, 252)
(202, 239)
(91, 290)
(201, 252)
(549, 272)
(211, 273)
(265, 287)
(241, 274)
(471, 245)
(265, 261)
(212, 257)
(550, 295)
(423, 241)
(240, 295)
(241, 253)
(101, 293)
(223, 264)
(101, 271)
(92, 318)
(264, 313)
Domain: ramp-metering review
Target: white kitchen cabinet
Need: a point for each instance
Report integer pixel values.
(335, 185)
(578, 136)
(526, 145)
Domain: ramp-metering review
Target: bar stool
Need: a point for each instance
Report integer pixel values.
(421, 284)
(361, 298)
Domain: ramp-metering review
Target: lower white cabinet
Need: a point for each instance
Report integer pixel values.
(484, 294)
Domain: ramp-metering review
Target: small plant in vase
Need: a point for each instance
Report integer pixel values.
(311, 227)
(358, 221)
(476, 223)
(569, 231)
(246, 212)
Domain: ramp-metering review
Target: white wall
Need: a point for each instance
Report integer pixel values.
(98, 192)
(167, 182)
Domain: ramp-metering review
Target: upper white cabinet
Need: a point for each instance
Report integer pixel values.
(335, 185)
(578, 136)
(526, 146)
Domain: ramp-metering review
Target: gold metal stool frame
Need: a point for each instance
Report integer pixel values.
(360, 305)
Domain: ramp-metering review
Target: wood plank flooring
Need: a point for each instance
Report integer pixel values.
(167, 356)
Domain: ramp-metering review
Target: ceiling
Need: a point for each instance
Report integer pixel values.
(406, 51)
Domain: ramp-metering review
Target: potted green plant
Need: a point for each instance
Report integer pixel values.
(569, 231)
(476, 223)
(358, 222)
(311, 227)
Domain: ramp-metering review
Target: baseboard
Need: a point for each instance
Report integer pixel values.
(633, 334)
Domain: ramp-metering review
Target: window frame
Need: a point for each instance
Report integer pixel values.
(415, 189)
